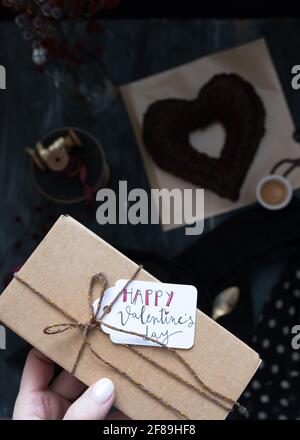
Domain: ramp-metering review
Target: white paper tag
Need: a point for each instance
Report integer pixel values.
(165, 312)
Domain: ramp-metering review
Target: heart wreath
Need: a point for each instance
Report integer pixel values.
(227, 99)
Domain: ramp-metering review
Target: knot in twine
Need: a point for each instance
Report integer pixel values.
(96, 322)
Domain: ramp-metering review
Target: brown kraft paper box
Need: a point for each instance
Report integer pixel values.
(61, 268)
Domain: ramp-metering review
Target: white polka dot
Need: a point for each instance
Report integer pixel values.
(292, 311)
(247, 394)
(297, 293)
(284, 384)
(261, 415)
(297, 274)
(279, 304)
(262, 365)
(264, 398)
(255, 385)
(286, 285)
(280, 349)
(272, 323)
(282, 417)
(284, 402)
(265, 343)
(285, 330)
(274, 369)
(294, 373)
(296, 356)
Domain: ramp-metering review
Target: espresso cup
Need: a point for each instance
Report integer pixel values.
(274, 192)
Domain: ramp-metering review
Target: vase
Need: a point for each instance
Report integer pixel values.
(87, 84)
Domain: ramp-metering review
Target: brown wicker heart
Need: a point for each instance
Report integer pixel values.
(227, 99)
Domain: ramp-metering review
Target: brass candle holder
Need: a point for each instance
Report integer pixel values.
(68, 165)
(56, 156)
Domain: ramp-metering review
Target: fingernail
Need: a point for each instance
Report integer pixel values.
(103, 390)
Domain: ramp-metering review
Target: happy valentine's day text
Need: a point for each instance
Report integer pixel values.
(157, 298)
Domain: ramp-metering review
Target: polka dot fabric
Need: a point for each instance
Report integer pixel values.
(274, 392)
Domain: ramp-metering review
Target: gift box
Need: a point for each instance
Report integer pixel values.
(151, 382)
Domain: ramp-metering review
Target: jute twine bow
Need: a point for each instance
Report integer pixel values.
(96, 322)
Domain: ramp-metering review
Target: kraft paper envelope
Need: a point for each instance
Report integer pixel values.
(61, 268)
(253, 62)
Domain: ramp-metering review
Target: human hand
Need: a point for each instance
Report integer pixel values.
(41, 398)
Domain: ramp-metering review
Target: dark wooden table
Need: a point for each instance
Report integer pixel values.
(30, 107)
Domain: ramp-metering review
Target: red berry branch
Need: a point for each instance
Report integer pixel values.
(43, 23)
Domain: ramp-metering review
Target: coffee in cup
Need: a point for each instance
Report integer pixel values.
(274, 192)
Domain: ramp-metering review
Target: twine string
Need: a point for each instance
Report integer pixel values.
(294, 163)
(96, 322)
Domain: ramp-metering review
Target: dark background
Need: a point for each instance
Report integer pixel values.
(134, 47)
(200, 9)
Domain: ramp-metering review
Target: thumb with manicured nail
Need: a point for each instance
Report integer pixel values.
(94, 404)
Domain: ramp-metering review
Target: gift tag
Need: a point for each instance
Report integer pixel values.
(165, 312)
